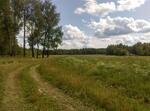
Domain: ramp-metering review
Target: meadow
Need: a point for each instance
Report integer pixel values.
(75, 83)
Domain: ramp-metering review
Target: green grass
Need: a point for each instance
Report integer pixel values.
(1, 86)
(112, 83)
(35, 101)
(6, 66)
(105, 83)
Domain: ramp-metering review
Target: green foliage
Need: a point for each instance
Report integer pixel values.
(112, 83)
(141, 49)
(120, 50)
(44, 26)
(5, 27)
(35, 101)
(38, 18)
(10, 24)
(85, 51)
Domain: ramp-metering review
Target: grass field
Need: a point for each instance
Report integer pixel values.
(75, 83)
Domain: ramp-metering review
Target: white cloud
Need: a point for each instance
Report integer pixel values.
(131, 39)
(129, 4)
(107, 30)
(73, 32)
(89, 42)
(94, 8)
(94, 42)
(119, 26)
(75, 38)
(72, 44)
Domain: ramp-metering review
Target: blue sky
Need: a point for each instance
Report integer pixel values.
(98, 23)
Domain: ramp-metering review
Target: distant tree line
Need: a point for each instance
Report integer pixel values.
(37, 19)
(141, 49)
(84, 51)
(119, 50)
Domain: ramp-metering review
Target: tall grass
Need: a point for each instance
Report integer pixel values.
(88, 79)
(35, 100)
(129, 75)
(6, 67)
(1, 87)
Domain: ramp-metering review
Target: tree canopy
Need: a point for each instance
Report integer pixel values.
(38, 20)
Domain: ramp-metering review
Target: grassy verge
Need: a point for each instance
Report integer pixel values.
(6, 67)
(86, 88)
(130, 76)
(35, 101)
(1, 87)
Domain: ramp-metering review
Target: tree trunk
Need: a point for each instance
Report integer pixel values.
(48, 48)
(14, 38)
(43, 52)
(32, 49)
(37, 53)
(24, 38)
(8, 33)
(47, 52)
(14, 46)
(14, 32)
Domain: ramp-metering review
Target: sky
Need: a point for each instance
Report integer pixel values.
(99, 23)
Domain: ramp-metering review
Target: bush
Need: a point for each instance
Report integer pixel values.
(119, 50)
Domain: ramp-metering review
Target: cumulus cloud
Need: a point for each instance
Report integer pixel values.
(131, 39)
(119, 26)
(75, 38)
(89, 42)
(109, 31)
(95, 8)
(129, 4)
(73, 32)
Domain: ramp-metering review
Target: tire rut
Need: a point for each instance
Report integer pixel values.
(12, 100)
(64, 101)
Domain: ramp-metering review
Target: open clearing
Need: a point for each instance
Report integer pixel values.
(75, 83)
